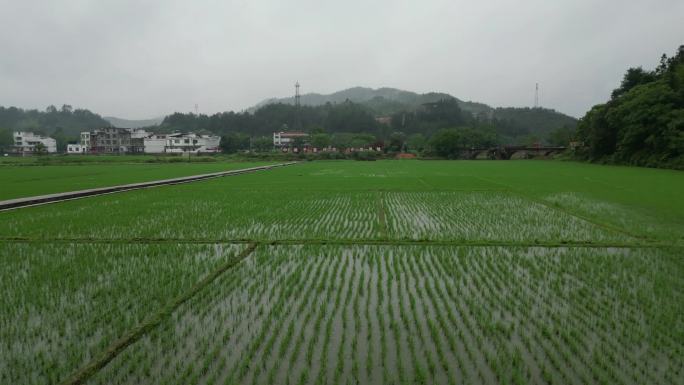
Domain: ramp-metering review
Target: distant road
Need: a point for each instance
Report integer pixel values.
(59, 197)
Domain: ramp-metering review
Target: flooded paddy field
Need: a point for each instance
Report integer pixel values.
(388, 272)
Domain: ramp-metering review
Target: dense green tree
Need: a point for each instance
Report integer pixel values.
(451, 142)
(40, 149)
(234, 142)
(416, 142)
(262, 144)
(446, 143)
(320, 140)
(71, 121)
(6, 140)
(643, 122)
(298, 142)
(561, 136)
(396, 143)
(633, 78)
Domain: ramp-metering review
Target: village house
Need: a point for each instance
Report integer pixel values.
(27, 143)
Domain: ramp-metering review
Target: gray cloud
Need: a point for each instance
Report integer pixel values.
(140, 59)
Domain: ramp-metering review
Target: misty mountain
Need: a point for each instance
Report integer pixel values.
(130, 123)
(383, 101)
(514, 124)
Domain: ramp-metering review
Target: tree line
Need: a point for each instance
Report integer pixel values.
(63, 124)
(352, 125)
(643, 122)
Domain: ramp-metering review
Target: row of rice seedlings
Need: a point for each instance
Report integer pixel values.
(484, 216)
(213, 213)
(301, 300)
(409, 314)
(441, 334)
(643, 223)
(564, 365)
(308, 308)
(418, 327)
(568, 362)
(296, 284)
(324, 301)
(194, 342)
(498, 332)
(608, 340)
(249, 351)
(65, 303)
(575, 365)
(630, 300)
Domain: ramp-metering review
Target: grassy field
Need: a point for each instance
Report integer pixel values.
(394, 272)
(22, 181)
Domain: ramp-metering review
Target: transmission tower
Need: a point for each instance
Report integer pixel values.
(536, 95)
(298, 120)
(196, 109)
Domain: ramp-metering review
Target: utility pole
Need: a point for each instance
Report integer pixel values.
(536, 95)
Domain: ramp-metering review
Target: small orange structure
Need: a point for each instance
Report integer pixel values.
(405, 155)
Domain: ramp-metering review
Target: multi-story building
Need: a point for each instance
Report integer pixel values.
(111, 140)
(28, 143)
(192, 143)
(85, 142)
(287, 139)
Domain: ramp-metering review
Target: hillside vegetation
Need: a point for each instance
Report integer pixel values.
(643, 122)
(350, 118)
(64, 124)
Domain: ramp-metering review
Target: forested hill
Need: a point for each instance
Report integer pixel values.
(643, 122)
(513, 125)
(383, 101)
(66, 120)
(542, 123)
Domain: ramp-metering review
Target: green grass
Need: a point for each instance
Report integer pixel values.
(22, 181)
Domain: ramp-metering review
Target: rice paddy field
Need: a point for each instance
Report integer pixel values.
(342, 272)
(29, 179)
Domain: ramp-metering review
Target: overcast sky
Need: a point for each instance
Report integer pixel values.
(140, 59)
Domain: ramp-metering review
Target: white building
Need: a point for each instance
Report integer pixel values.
(26, 142)
(76, 149)
(137, 133)
(150, 143)
(85, 142)
(155, 144)
(284, 139)
(192, 143)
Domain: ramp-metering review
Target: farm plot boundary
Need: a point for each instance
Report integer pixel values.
(130, 337)
(351, 242)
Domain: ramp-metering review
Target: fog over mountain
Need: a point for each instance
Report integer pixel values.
(138, 60)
